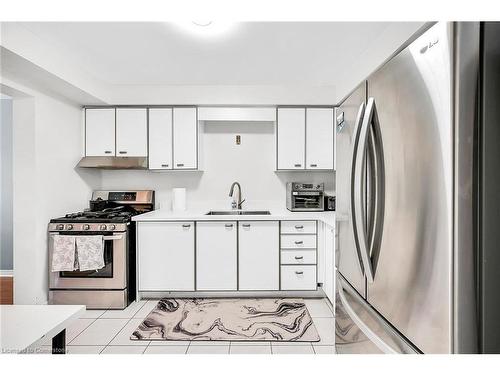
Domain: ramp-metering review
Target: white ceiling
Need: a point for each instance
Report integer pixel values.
(249, 54)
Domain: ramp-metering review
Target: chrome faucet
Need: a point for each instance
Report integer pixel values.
(236, 204)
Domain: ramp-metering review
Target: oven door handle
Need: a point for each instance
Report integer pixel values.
(112, 238)
(104, 238)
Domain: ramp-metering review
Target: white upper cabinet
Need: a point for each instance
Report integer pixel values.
(216, 255)
(100, 132)
(131, 132)
(185, 136)
(160, 138)
(319, 138)
(291, 132)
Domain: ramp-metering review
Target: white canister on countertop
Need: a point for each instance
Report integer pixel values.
(179, 199)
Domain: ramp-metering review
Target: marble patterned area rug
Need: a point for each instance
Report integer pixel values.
(228, 319)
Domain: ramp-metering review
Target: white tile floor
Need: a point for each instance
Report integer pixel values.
(108, 332)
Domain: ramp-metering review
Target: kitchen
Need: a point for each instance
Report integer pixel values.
(210, 205)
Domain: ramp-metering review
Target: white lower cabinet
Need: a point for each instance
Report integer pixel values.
(166, 256)
(216, 256)
(298, 277)
(258, 255)
(329, 282)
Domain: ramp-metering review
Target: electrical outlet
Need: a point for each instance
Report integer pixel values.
(238, 139)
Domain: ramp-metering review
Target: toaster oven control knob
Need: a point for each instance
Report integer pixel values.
(86, 227)
(112, 227)
(69, 226)
(60, 227)
(103, 227)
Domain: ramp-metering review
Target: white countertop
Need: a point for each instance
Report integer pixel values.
(24, 326)
(198, 213)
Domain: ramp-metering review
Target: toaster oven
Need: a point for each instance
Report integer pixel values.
(305, 196)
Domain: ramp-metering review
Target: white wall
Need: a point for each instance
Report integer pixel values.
(47, 143)
(252, 164)
(6, 184)
(223, 94)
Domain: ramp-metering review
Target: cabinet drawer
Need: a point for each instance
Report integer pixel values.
(298, 256)
(292, 241)
(298, 277)
(297, 227)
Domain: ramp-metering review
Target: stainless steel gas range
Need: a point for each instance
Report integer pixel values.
(114, 285)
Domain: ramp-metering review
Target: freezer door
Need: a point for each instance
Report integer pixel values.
(413, 273)
(348, 117)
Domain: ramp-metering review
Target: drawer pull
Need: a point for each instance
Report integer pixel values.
(314, 165)
(164, 165)
(299, 242)
(180, 164)
(107, 152)
(229, 225)
(245, 225)
(186, 225)
(297, 165)
(299, 227)
(298, 258)
(122, 152)
(299, 272)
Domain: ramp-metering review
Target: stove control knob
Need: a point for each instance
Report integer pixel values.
(69, 226)
(103, 227)
(86, 227)
(112, 227)
(60, 227)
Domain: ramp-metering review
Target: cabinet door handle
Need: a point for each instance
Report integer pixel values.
(299, 227)
(180, 165)
(122, 152)
(297, 165)
(299, 242)
(314, 165)
(299, 272)
(299, 258)
(245, 225)
(186, 225)
(107, 152)
(164, 165)
(229, 225)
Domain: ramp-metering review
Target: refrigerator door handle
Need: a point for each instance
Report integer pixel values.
(357, 194)
(376, 157)
(354, 208)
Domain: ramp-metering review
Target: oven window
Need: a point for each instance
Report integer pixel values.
(105, 272)
(307, 201)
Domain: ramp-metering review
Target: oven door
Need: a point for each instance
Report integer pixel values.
(308, 201)
(112, 276)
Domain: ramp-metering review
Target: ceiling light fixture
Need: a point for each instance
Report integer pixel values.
(206, 28)
(202, 23)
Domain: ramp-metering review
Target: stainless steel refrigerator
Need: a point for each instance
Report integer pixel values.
(408, 181)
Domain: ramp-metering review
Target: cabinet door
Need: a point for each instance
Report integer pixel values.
(216, 255)
(329, 267)
(160, 138)
(100, 132)
(258, 255)
(185, 138)
(165, 253)
(131, 132)
(291, 132)
(319, 138)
